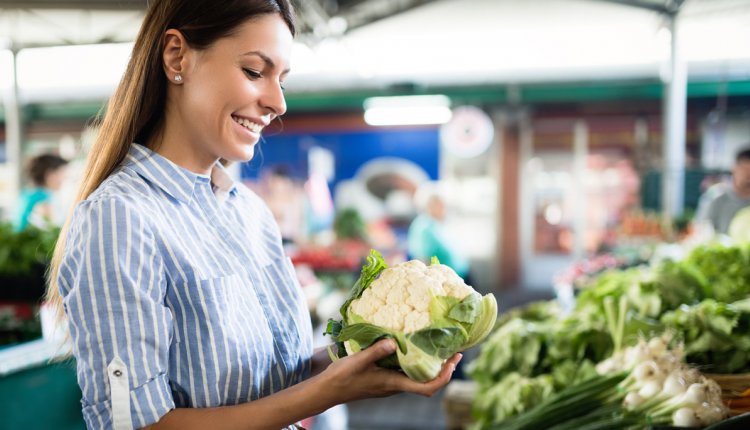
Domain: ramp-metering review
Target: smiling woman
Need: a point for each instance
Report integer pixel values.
(244, 72)
(183, 311)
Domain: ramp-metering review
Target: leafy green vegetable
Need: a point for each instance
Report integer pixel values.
(716, 335)
(705, 299)
(25, 251)
(511, 396)
(726, 270)
(349, 224)
(567, 405)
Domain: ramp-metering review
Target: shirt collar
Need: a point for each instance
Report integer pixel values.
(175, 180)
(222, 183)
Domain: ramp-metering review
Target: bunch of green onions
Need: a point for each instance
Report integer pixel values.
(647, 384)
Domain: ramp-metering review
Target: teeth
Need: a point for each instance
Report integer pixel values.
(255, 128)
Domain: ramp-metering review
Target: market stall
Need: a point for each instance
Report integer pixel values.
(684, 312)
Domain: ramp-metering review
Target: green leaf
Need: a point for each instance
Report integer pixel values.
(440, 306)
(375, 265)
(468, 309)
(434, 260)
(485, 323)
(365, 334)
(418, 364)
(442, 342)
(333, 329)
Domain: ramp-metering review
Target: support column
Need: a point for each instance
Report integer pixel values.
(580, 155)
(508, 202)
(13, 136)
(674, 123)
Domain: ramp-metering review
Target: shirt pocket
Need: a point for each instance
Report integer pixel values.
(234, 301)
(226, 327)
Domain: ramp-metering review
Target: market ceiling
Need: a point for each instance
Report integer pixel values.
(75, 21)
(317, 18)
(343, 42)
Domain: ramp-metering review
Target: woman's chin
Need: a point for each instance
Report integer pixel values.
(240, 153)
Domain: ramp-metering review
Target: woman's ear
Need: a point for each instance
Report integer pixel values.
(174, 55)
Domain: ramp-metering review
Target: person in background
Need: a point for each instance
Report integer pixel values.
(426, 238)
(46, 174)
(722, 201)
(286, 200)
(183, 310)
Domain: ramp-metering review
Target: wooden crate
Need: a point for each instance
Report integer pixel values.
(733, 387)
(457, 400)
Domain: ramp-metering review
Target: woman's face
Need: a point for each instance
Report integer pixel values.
(233, 89)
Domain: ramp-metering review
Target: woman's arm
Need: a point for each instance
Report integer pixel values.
(348, 379)
(320, 360)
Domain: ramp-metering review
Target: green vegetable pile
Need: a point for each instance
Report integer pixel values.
(539, 351)
(428, 310)
(642, 385)
(25, 251)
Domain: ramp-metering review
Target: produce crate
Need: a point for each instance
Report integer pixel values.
(735, 391)
(457, 400)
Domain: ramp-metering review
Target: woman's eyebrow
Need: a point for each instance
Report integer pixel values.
(266, 59)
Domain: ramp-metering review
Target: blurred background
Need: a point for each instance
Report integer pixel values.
(559, 135)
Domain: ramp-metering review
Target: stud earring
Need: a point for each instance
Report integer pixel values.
(178, 78)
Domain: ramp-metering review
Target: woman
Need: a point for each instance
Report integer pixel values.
(182, 308)
(46, 173)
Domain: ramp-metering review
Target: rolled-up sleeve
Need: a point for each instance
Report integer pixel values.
(113, 284)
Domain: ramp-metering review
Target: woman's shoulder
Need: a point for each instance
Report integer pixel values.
(123, 189)
(252, 198)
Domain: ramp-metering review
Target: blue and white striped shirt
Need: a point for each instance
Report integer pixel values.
(178, 294)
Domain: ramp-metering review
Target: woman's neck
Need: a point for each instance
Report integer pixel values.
(173, 144)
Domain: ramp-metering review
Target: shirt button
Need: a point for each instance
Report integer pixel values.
(117, 373)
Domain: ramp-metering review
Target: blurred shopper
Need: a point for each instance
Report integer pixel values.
(286, 199)
(426, 238)
(183, 311)
(35, 206)
(722, 201)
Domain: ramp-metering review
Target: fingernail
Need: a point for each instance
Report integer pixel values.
(460, 356)
(389, 346)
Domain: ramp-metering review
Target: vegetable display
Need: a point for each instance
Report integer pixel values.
(427, 309)
(540, 350)
(647, 384)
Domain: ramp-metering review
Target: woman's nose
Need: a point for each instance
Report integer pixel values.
(273, 99)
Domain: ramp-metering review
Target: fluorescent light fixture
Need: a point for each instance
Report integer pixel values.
(407, 110)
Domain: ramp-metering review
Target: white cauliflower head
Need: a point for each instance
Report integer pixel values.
(400, 298)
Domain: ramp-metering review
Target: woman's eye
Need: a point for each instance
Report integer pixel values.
(252, 73)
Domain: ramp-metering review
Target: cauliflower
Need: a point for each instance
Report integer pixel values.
(400, 298)
(428, 309)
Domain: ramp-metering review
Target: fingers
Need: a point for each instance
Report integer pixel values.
(378, 350)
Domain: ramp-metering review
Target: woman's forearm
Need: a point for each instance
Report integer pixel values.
(320, 360)
(276, 411)
(351, 378)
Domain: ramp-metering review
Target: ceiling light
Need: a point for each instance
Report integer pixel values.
(407, 110)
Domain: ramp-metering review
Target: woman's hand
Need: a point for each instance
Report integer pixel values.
(358, 377)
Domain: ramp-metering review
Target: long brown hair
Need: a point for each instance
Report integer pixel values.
(135, 112)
